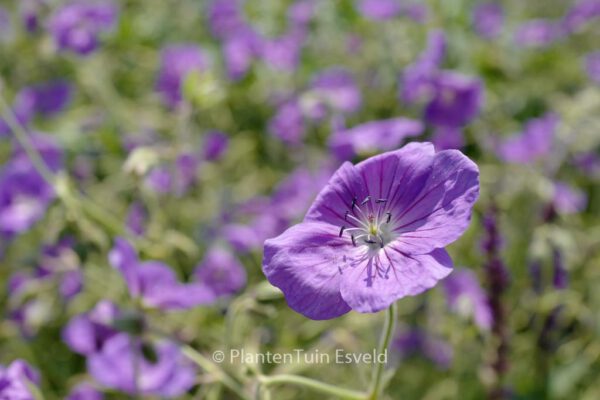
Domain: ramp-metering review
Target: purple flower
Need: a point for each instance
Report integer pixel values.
(239, 51)
(379, 10)
(567, 199)
(446, 137)
(456, 100)
(288, 123)
(177, 62)
(186, 172)
(160, 180)
(87, 333)
(137, 218)
(588, 163)
(301, 12)
(221, 272)
(537, 33)
(15, 380)
(592, 66)
(488, 19)
(580, 14)
(77, 25)
(60, 262)
(24, 194)
(417, 341)
(467, 298)
(225, 17)
(283, 52)
(417, 77)
(215, 145)
(533, 143)
(84, 391)
(122, 365)
(155, 283)
(375, 233)
(375, 136)
(49, 98)
(334, 89)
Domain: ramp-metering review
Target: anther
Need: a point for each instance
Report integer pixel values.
(342, 230)
(380, 200)
(353, 203)
(353, 241)
(389, 217)
(370, 241)
(365, 201)
(346, 215)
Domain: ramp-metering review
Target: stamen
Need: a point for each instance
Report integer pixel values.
(365, 201)
(353, 241)
(370, 241)
(389, 217)
(353, 203)
(342, 230)
(381, 201)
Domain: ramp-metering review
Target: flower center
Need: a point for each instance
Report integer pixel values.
(368, 223)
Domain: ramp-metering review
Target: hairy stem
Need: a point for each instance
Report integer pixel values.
(315, 385)
(386, 336)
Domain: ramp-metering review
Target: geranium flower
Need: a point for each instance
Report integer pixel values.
(375, 233)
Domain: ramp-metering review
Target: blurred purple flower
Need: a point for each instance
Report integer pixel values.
(417, 77)
(122, 365)
(49, 98)
(417, 12)
(225, 17)
(534, 142)
(137, 217)
(580, 14)
(160, 180)
(215, 145)
(84, 391)
(221, 272)
(588, 163)
(333, 89)
(30, 10)
(379, 10)
(15, 380)
(446, 137)
(375, 233)
(60, 262)
(186, 172)
(560, 278)
(87, 333)
(374, 136)
(419, 342)
(567, 199)
(537, 33)
(239, 51)
(283, 52)
(24, 194)
(241, 237)
(488, 19)
(592, 66)
(456, 100)
(155, 283)
(76, 26)
(288, 123)
(177, 62)
(467, 298)
(301, 12)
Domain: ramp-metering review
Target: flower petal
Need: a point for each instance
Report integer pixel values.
(442, 211)
(306, 262)
(389, 275)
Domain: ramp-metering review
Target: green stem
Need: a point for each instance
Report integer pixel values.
(386, 335)
(23, 138)
(312, 384)
(214, 369)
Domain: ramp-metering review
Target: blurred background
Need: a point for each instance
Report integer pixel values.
(182, 134)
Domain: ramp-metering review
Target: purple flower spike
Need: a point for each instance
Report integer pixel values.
(375, 136)
(467, 298)
(154, 282)
(77, 25)
(375, 233)
(122, 365)
(592, 66)
(15, 379)
(177, 62)
(567, 199)
(221, 272)
(488, 19)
